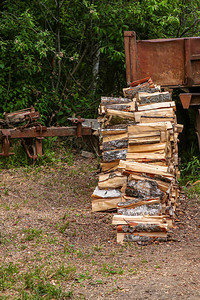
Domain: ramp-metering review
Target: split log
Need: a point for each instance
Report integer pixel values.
(146, 97)
(109, 166)
(179, 128)
(143, 189)
(110, 193)
(149, 127)
(141, 238)
(147, 80)
(114, 100)
(163, 186)
(131, 202)
(154, 114)
(131, 92)
(120, 114)
(99, 204)
(117, 131)
(147, 119)
(123, 136)
(157, 220)
(143, 210)
(147, 148)
(112, 180)
(116, 144)
(146, 156)
(157, 106)
(142, 228)
(20, 116)
(114, 155)
(144, 168)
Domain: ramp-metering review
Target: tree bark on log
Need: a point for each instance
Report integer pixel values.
(117, 144)
(114, 155)
(114, 100)
(146, 97)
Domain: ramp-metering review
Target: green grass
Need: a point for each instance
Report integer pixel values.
(108, 270)
(35, 283)
(193, 192)
(8, 276)
(32, 234)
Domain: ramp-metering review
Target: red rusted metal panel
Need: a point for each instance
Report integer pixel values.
(169, 62)
(189, 100)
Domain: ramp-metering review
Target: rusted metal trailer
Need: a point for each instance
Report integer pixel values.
(173, 63)
(169, 62)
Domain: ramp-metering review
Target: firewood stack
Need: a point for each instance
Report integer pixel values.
(139, 138)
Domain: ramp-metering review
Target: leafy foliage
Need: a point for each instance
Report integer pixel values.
(61, 55)
(190, 171)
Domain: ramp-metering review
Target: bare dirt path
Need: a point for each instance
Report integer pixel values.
(53, 247)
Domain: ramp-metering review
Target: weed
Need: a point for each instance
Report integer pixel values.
(8, 276)
(99, 281)
(66, 273)
(190, 170)
(111, 270)
(63, 227)
(98, 247)
(83, 277)
(33, 233)
(79, 253)
(193, 192)
(157, 266)
(68, 249)
(52, 241)
(133, 271)
(39, 287)
(6, 192)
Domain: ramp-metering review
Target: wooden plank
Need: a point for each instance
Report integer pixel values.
(124, 220)
(144, 134)
(149, 127)
(144, 168)
(138, 203)
(103, 194)
(121, 114)
(104, 204)
(113, 182)
(147, 148)
(143, 141)
(146, 155)
(115, 137)
(157, 106)
(163, 113)
(108, 166)
(145, 119)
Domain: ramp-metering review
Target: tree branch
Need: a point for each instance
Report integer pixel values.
(196, 21)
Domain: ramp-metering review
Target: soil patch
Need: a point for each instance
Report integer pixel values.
(54, 247)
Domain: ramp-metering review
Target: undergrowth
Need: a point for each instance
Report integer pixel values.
(190, 171)
(55, 151)
(193, 191)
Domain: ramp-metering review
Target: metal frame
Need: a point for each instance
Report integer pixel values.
(39, 133)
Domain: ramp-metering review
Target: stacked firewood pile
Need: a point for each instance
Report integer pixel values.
(139, 171)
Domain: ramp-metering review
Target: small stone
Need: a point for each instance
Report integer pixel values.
(87, 154)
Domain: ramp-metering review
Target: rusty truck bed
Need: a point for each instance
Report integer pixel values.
(169, 62)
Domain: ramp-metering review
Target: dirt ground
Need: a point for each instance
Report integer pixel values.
(54, 247)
